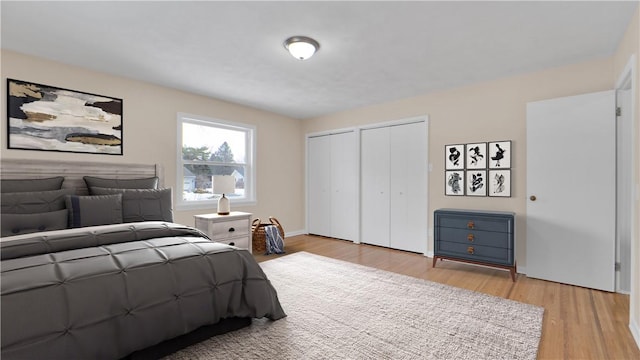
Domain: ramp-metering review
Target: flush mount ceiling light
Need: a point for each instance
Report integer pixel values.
(301, 47)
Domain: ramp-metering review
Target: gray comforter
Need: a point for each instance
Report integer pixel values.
(104, 292)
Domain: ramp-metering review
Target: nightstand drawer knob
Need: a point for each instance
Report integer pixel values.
(470, 237)
(232, 243)
(470, 250)
(232, 229)
(471, 225)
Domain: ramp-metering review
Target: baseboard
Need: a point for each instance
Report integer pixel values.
(294, 233)
(429, 254)
(635, 331)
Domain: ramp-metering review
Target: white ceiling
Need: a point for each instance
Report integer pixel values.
(371, 52)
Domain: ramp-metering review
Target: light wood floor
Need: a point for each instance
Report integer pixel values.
(578, 323)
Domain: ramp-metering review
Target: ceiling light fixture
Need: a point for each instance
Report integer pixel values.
(301, 47)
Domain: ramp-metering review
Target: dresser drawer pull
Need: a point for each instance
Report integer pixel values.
(232, 243)
(470, 250)
(470, 237)
(232, 229)
(471, 225)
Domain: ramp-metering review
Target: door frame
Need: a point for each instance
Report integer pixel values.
(628, 78)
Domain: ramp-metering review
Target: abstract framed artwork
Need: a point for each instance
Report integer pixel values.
(500, 183)
(48, 118)
(454, 157)
(476, 182)
(476, 155)
(454, 183)
(500, 155)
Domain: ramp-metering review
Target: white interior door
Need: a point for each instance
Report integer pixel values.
(344, 186)
(571, 183)
(374, 163)
(319, 184)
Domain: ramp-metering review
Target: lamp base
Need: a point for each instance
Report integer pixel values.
(224, 207)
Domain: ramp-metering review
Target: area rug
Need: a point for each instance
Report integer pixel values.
(340, 310)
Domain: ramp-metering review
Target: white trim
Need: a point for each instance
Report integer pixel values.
(635, 331)
(295, 233)
(629, 74)
(251, 196)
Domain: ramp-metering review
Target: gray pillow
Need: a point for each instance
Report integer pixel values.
(143, 183)
(33, 202)
(25, 185)
(16, 224)
(142, 204)
(94, 210)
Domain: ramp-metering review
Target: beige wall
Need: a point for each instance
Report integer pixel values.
(149, 133)
(629, 46)
(488, 111)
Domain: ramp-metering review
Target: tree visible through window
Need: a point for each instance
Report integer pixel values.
(208, 148)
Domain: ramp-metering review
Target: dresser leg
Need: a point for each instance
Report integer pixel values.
(513, 273)
(435, 258)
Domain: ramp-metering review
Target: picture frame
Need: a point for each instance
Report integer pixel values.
(500, 154)
(500, 183)
(476, 182)
(454, 183)
(476, 155)
(48, 118)
(454, 157)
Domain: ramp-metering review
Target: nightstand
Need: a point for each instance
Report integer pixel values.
(233, 229)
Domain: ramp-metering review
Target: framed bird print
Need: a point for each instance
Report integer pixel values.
(500, 154)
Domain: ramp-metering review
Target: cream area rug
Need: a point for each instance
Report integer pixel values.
(340, 310)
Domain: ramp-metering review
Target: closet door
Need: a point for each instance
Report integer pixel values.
(319, 185)
(408, 187)
(344, 186)
(374, 164)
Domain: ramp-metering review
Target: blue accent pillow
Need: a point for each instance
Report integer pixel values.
(94, 210)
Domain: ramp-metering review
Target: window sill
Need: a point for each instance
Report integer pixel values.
(182, 206)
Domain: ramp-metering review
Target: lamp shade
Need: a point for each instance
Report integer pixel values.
(224, 184)
(301, 47)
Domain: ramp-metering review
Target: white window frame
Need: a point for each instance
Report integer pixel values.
(250, 151)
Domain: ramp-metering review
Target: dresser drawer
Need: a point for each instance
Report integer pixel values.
(474, 222)
(477, 253)
(228, 229)
(474, 237)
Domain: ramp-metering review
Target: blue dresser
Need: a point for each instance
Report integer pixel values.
(476, 237)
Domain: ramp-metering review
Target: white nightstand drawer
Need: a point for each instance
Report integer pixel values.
(228, 229)
(241, 242)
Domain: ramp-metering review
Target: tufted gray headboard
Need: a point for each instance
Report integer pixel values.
(73, 171)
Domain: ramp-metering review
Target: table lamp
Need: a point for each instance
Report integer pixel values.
(224, 184)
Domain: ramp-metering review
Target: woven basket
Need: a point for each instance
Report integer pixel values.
(259, 237)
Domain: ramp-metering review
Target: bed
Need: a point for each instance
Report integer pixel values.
(113, 290)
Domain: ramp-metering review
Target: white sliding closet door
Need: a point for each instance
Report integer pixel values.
(319, 185)
(332, 185)
(344, 186)
(394, 186)
(374, 164)
(408, 187)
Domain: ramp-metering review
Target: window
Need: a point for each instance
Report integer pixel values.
(209, 147)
